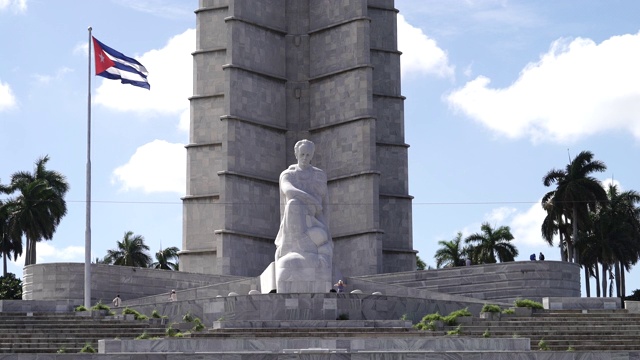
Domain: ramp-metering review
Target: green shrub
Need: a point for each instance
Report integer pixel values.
(143, 336)
(490, 308)
(428, 322)
(542, 345)
(486, 334)
(171, 331)
(451, 318)
(88, 349)
(508, 311)
(432, 317)
(187, 317)
(457, 331)
(142, 317)
(403, 317)
(199, 326)
(135, 313)
(62, 350)
(10, 287)
(156, 315)
(80, 308)
(100, 306)
(429, 325)
(571, 348)
(528, 303)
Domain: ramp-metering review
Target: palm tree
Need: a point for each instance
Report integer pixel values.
(451, 253)
(131, 251)
(36, 213)
(616, 227)
(10, 239)
(491, 242)
(166, 259)
(554, 224)
(591, 250)
(41, 204)
(576, 194)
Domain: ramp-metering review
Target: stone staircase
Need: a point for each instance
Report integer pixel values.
(50, 332)
(595, 330)
(590, 331)
(305, 329)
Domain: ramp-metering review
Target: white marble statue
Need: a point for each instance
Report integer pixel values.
(304, 249)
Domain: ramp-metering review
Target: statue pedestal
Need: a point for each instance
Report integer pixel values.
(268, 279)
(303, 273)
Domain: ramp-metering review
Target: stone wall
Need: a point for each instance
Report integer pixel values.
(267, 74)
(65, 281)
(503, 282)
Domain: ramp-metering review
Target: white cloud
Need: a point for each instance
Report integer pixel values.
(497, 216)
(185, 120)
(606, 182)
(161, 8)
(47, 79)
(158, 166)
(578, 88)
(525, 226)
(46, 252)
(17, 6)
(421, 54)
(170, 75)
(7, 99)
(81, 48)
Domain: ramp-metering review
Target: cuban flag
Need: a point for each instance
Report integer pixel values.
(114, 65)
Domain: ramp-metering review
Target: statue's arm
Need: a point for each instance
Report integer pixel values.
(292, 192)
(325, 201)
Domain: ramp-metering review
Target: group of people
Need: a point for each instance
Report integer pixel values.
(117, 301)
(533, 257)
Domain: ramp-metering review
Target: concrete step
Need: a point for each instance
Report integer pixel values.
(27, 336)
(304, 334)
(48, 333)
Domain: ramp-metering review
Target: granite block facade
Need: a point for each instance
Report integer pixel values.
(356, 344)
(325, 13)
(65, 282)
(503, 282)
(267, 74)
(207, 128)
(389, 113)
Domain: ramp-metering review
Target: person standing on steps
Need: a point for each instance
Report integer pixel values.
(117, 301)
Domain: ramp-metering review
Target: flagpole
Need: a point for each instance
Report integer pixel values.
(87, 231)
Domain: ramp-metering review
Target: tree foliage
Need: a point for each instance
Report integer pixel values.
(10, 287)
(166, 259)
(39, 206)
(451, 253)
(131, 251)
(490, 243)
(577, 193)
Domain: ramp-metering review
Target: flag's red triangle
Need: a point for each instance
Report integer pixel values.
(102, 61)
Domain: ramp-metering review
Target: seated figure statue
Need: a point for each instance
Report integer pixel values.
(304, 249)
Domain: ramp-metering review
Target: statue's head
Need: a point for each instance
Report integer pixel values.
(304, 150)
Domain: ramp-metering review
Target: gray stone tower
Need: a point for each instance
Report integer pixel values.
(268, 73)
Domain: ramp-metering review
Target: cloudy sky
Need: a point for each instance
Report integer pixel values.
(498, 93)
